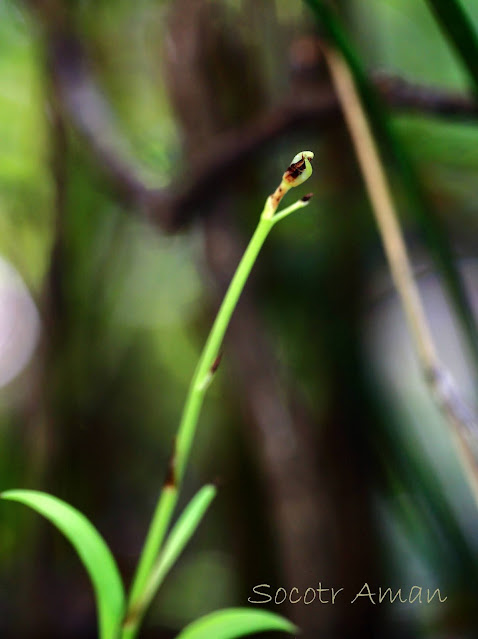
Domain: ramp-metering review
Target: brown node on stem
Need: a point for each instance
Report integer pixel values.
(218, 481)
(307, 197)
(171, 480)
(216, 363)
(130, 618)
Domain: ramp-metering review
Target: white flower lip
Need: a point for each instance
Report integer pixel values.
(309, 155)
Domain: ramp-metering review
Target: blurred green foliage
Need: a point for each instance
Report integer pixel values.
(92, 418)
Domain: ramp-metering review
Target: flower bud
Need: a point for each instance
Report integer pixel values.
(299, 171)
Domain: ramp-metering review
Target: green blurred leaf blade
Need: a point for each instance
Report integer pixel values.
(459, 30)
(92, 550)
(432, 228)
(236, 622)
(182, 532)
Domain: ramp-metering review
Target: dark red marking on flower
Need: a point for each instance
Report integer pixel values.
(295, 170)
(307, 197)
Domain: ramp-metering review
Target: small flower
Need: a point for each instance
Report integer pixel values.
(299, 171)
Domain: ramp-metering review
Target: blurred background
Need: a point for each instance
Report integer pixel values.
(138, 142)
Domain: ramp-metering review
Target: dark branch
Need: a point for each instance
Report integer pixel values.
(402, 95)
(88, 113)
(321, 108)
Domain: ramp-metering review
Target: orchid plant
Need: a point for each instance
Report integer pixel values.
(119, 615)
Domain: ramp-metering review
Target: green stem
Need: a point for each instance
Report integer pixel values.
(203, 373)
(199, 384)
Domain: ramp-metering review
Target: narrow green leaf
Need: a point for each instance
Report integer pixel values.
(236, 622)
(459, 30)
(180, 534)
(93, 552)
(177, 539)
(154, 540)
